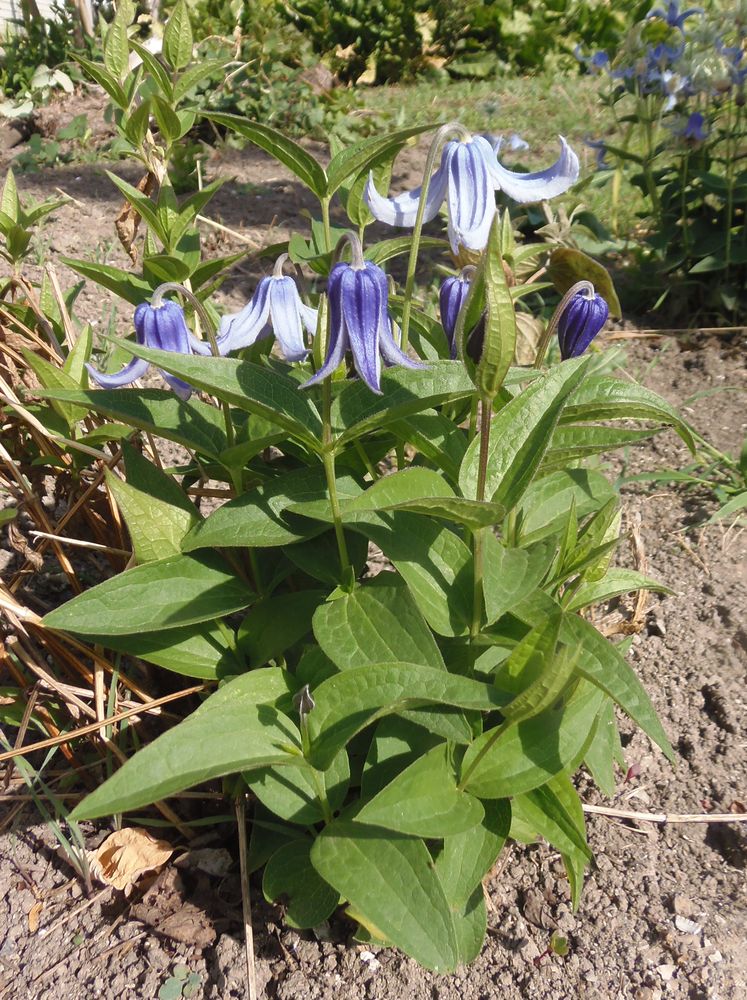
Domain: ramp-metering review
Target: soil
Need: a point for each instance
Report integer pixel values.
(664, 911)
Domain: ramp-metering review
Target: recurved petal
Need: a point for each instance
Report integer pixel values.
(241, 329)
(391, 354)
(536, 186)
(403, 210)
(285, 315)
(470, 195)
(133, 370)
(361, 298)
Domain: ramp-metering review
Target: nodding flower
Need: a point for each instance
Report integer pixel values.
(467, 179)
(275, 307)
(160, 324)
(359, 320)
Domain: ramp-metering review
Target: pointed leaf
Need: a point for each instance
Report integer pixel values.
(179, 590)
(234, 729)
(289, 877)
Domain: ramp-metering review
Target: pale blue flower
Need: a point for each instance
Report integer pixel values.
(466, 179)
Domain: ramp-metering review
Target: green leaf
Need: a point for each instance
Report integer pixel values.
(436, 438)
(199, 650)
(423, 491)
(158, 514)
(386, 250)
(527, 755)
(604, 750)
(259, 518)
(10, 204)
(155, 69)
(177, 37)
(519, 435)
(568, 265)
(570, 443)
(602, 397)
(467, 857)
(179, 590)
(424, 800)
(347, 702)
(362, 155)
(116, 47)
(276, 623)
(75, 362)
(405, 391)
(379, 621)
(196, 74)
(169, 123)
(545, 811)
(499, 342)
(616, 582)
(398, 741)
(53, 377)
(509, 575)
(601, 663)
(391, 883)
(127, 286)
(279, 146)
(235, 729)
(194, 424)
(546, 503)
(548, 676)
(250, 387)
(289, 877)
(293, 792)
(108, 81)
(734, 505)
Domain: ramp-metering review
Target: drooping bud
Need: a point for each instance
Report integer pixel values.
(451, 297)
(581, 319)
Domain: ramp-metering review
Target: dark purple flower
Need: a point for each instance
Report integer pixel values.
(582, 318)
(359, 322)
(164, 328)
(451, 298)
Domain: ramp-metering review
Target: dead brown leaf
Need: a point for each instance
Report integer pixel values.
(34, 915)
(166, 909)
(128, 220)
(127, 854)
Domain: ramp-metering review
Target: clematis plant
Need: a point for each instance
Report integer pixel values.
(394, 728)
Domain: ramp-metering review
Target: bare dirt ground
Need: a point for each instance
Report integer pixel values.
(664, 912)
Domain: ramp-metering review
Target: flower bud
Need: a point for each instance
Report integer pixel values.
(583, 317)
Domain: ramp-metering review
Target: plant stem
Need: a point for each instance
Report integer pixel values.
(435, 150)
(326, 225)
(328, 459)
(478, 537)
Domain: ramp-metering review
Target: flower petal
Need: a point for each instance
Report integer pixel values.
(338, 338)
(470, 196)
(285, 315)
(403, 210)
(166, 329)
(391, 354)
(182, 389)
(133, 370)
(534, 186)
(361, 299)
(243, 328)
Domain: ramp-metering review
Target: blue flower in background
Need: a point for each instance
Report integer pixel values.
(695, 128)
(466, 179)
(359, 321)
(451, 297)
(584, 315)
(161, 326)
(671, 14)
(597, 62)
(275, 307)
(601, 150)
